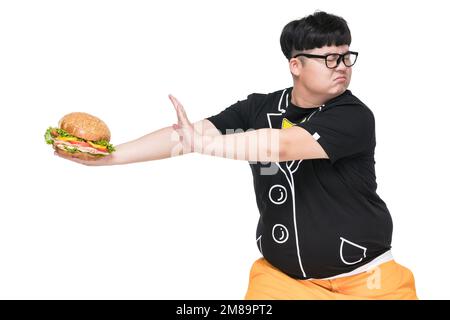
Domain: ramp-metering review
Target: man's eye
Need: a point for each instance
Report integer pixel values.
(332, 58)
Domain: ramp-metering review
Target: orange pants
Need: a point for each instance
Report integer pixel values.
(389, 280)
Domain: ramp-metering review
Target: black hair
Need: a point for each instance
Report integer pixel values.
(314, 31)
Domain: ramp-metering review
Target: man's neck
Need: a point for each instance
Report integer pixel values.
(302, 98)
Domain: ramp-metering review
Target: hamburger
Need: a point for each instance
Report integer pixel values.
(80, 135)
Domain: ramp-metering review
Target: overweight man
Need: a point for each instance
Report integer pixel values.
(323, 231)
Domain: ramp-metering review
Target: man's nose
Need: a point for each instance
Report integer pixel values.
(341, 66)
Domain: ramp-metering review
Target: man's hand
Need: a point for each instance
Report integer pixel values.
(190, 138)
(95, 162)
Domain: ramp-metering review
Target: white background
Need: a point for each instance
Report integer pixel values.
(184, 228)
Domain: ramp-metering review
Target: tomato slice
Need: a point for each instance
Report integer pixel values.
(89, 144)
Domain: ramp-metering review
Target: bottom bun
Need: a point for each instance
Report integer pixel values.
(78, 155)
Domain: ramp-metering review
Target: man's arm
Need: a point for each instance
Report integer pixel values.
(160, 144)
(264, 145)
(299, 144)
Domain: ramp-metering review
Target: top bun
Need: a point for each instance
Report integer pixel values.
(85, 126)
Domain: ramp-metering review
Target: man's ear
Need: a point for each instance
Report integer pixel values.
(295, 66)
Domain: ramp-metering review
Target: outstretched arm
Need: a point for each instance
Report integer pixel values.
(160, 144)
(264, 145)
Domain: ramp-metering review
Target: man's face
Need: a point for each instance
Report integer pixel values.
(316, 77)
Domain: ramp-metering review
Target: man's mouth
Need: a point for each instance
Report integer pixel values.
(340, 79)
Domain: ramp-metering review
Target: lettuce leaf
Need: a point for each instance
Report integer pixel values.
(71, 149)
(106, 144)
(63, 133)
(48, 136)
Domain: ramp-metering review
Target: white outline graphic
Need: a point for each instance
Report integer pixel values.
(290, 182)
(259, 244)
(353, 244)
(284, 231)
(277, 201)
(289, 166)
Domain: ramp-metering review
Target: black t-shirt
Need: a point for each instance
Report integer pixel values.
(318, 218)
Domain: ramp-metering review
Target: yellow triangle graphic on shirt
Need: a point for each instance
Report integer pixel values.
(286, 124)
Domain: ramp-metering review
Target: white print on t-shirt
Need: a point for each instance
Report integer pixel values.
(280, 233)
(341, 251)
(277, 194)
(258, 242)
(291, 168)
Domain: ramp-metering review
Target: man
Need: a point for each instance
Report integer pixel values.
(323, 232)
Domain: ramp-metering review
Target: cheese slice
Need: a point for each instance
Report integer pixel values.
(67, 138)
(98, 146)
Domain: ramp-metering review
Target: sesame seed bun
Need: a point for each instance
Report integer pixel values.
(85, 126)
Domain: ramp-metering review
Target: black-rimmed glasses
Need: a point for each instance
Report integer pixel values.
(332, 60)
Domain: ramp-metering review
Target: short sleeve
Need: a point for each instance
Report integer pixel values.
(235, 117)
(343, 131)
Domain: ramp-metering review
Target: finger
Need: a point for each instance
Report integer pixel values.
(180, 107)
(181, 113)
(175, 102)
(70, 158)
(56, 153)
